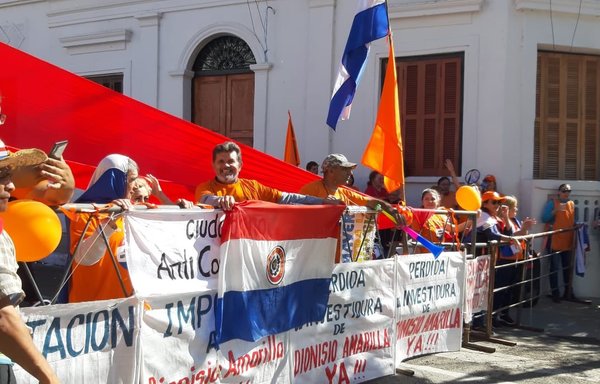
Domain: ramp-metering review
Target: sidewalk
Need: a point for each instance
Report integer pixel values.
(566, 351)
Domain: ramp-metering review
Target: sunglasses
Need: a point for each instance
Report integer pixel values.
(565, 190)
(494, 202)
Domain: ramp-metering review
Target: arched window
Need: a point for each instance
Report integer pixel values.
(225, 54)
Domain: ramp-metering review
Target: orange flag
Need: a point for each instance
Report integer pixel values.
(384, 151)
(291, 154)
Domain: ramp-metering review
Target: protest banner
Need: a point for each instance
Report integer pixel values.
(476, 286)
(173, 251)
(429, 301)
(93, 342)
(354, 342)
(179, 346)
(359, 228)
(177, 339)
(378, 309)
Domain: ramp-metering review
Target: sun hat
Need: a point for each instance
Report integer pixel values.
(21, 158)
(491, 195)
(337, 159)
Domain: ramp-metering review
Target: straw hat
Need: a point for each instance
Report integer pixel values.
(22, 158)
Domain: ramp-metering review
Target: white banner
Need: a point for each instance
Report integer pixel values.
(358, 234)
(407, 306)
(94, 342)
(429, 299)
(354, 342)
(476, 286)
(178, 339)
(173, 251)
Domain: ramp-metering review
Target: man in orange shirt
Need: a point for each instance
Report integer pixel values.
(559, 212)
(227, 187)
(336, 172)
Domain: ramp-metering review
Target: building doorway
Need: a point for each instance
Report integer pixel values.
(223, 89)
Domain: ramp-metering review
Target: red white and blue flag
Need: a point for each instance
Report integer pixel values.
(370, 23)
(276, 265)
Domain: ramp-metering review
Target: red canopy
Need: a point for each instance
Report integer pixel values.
(44, 104)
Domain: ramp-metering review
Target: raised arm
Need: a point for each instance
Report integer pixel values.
(452, 171)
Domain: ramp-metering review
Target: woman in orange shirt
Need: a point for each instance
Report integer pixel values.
(95, 274)
(435, 227)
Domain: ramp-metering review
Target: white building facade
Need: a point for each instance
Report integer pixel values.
(297, 45)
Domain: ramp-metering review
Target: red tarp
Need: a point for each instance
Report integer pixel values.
(44, 104)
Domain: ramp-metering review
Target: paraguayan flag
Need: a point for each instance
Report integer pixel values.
(276, 265)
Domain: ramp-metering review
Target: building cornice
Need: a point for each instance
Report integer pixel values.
(94, 42)
(433, 8)
(588, 7)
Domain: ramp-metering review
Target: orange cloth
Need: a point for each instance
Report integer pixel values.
(291, 154)
(563, 219)
(349, 197)
(384, 150)
(99, 281)
(241, 190)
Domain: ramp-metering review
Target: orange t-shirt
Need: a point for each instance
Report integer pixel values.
(348, 196)
(241, 190)
(99, 281)
(564, 219)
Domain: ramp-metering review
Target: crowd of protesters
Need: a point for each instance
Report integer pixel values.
(99, 270)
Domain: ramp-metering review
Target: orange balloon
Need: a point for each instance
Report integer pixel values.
(34, 228)
(468, 198)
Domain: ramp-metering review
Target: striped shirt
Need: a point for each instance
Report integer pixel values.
(10, 283)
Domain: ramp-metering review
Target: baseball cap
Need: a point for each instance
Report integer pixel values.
(337, 159)
(491, 195)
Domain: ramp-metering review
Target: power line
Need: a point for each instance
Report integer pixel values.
(576, 24)
(552, 26)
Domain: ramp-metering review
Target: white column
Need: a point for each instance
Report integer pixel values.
(261, 84)
(320, 55)
(145, 68)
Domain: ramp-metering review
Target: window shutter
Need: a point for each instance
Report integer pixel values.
(430, 90)
(566, 138)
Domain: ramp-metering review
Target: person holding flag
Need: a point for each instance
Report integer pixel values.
(336, 172)
(227, 188)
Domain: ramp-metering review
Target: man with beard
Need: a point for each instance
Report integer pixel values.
(227, 187)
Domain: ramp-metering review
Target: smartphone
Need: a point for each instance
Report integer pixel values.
(57, 149)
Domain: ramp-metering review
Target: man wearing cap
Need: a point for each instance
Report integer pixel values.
(336, 172)
(559, 213)
(227, 187)
(15, 340)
